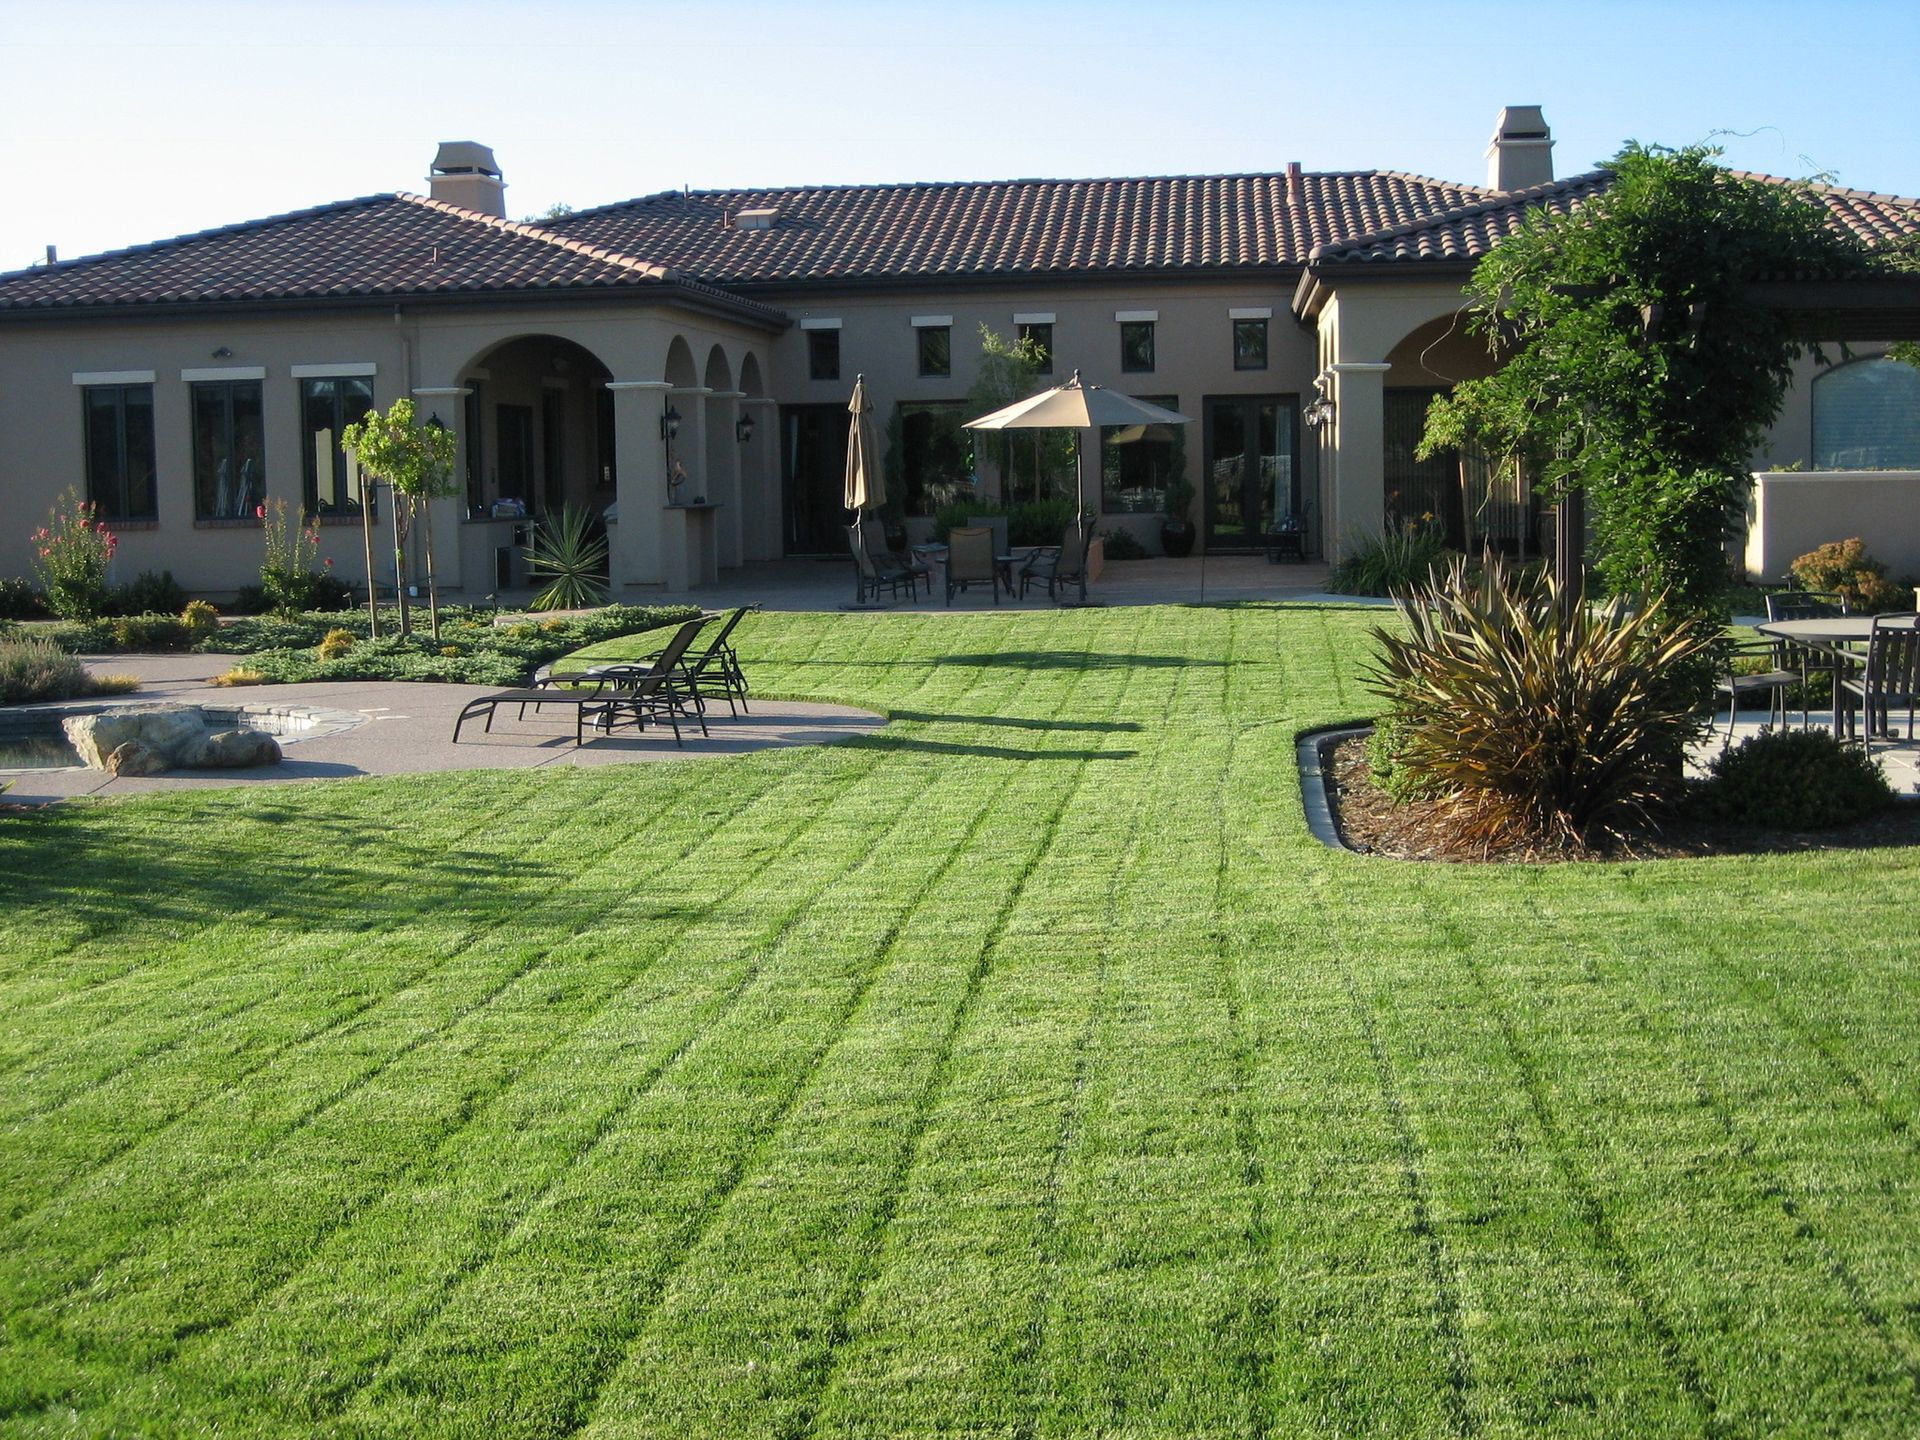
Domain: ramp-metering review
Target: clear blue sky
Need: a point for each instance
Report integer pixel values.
(122, 123)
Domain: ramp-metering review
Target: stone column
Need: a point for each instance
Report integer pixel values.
(1357, 494)
(640, 483)
(723, 484)
(760, 495)
(451, 562)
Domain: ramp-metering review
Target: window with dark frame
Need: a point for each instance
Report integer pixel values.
(1138, 462)
(229, 450)
(935, 343)
(1249, 344)
(328, 404)
(1136, 346)
(823, 354)
(1040, 334)
(120, 478)
(936, 455)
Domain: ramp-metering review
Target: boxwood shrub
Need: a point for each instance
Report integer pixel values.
(1792, 780)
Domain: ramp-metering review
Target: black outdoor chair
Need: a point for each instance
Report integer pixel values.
(605, 696)
(1774, 678)
(714, 669)
(884, 558)
(1808, 661)
(1057, 566)
(870, 575)
(970, 560)
(1888, 681)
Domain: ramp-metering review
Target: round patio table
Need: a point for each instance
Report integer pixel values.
(1832, 633)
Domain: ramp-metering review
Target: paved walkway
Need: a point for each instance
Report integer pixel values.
(408, 729)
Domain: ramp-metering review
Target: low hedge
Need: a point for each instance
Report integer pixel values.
(471, 650)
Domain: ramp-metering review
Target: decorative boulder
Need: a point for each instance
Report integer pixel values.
(147, 739)
(130, 757)
(162, 728)
(231, 750)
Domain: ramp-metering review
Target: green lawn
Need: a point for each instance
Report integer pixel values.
(1023, 1070)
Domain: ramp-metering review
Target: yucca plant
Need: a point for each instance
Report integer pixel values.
(1538, 722)
(569, 552)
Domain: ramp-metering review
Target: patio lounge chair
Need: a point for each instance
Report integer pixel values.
(870, 574)
(970, 560)
(714, 668)
(1809, 661)
(610, 695)
(1889, 680)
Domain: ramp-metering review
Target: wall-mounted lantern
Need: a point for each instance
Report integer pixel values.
(743, 429)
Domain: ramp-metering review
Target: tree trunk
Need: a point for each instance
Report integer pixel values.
(366, 534)
(433, 592)
(402, 525)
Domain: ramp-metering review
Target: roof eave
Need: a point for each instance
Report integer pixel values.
(699, 299)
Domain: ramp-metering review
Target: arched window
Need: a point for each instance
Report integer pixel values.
(1866, 416)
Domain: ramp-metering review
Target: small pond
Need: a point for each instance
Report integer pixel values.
(37, 752)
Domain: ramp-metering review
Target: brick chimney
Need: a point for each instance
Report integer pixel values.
(464, 174)
(1520, 154)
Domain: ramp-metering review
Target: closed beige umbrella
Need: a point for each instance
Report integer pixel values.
(863, 455)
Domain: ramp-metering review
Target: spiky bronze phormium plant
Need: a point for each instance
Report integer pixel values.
(1538, 718)
(569, 553)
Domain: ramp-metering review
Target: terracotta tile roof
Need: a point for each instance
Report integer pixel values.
(376, 246)
(1469, 231)
(1181, 223)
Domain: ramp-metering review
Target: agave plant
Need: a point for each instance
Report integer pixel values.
(569, 553)
(1536, 716)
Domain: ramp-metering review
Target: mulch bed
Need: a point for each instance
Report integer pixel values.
(1371, 822)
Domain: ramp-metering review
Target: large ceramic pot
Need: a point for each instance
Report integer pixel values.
(1176, 538)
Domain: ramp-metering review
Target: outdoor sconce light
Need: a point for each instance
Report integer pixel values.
(434, 422)
(670, 424)
(743, 429)
(1319, 411)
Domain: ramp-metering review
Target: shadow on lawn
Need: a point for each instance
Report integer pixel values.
(1020, 660)
(1018, 722)
(284, 869)
(887, 741)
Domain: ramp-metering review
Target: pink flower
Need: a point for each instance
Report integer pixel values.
(328, 562)
(259, 512)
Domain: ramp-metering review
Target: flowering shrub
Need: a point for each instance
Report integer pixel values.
(288, 578)
(72, 552)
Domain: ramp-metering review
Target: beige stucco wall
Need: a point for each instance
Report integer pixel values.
(430, 353)
(1792, 513)
(1193, 342)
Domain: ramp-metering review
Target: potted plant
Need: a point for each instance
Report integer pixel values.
(1176, 531)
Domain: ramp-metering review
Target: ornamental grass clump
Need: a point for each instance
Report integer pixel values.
(1402, 556)
(1533, 717)
(569, 553)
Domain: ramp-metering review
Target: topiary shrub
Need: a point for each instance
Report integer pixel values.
(1843, 567)
(1536, 717)
(201, 619)
(1403, 557)
(1792, 780)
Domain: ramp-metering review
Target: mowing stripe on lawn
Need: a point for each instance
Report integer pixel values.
(543, 1395)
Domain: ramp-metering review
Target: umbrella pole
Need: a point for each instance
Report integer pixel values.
(1080, 507)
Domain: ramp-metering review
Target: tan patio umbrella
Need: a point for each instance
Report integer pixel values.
(863, 456)
(1077, 406)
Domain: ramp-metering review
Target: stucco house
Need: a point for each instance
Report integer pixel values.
(682, 362)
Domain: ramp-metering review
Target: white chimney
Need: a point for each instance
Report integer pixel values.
(1520, 154)
(464, 174)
